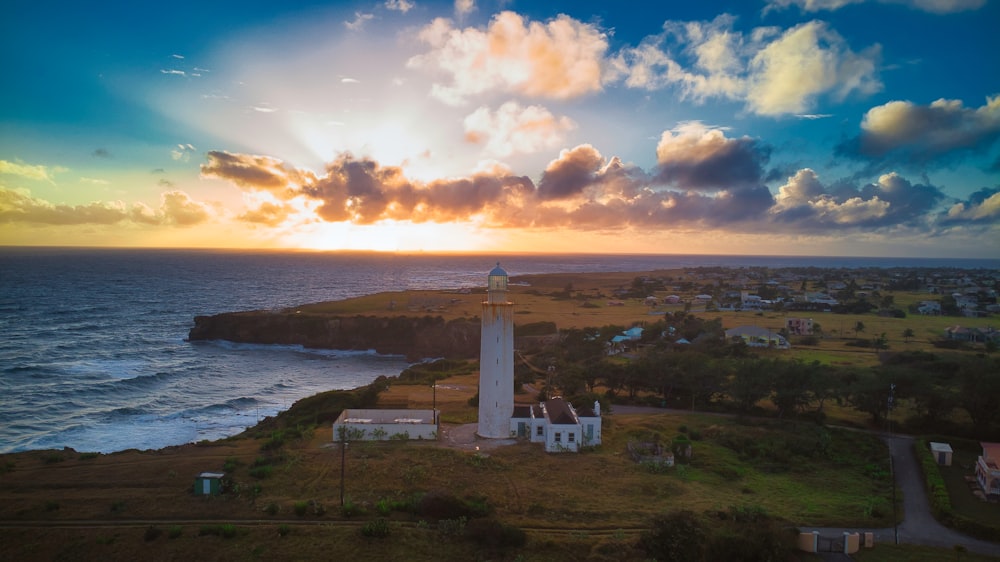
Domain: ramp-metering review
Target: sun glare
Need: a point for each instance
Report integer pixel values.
(392, 236)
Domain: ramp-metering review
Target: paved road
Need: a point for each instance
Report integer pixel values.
(918, 526)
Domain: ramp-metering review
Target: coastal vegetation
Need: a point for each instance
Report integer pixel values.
(769, 450)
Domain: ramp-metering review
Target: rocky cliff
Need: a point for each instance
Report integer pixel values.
(415, 337)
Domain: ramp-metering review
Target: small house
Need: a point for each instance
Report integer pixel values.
(208, 484)
(381, 425)
(942, 453)
(988, 470)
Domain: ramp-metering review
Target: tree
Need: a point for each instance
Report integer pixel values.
(750, 383)
(979, 390)
(908, 335)
(679, 536)
(880, 342)
(791, 382)
(859, 327)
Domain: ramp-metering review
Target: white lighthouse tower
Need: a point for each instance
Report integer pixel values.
(496, 359)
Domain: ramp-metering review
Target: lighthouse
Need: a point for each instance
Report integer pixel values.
(496, 359)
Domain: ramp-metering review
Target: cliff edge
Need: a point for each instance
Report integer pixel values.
(416, 337)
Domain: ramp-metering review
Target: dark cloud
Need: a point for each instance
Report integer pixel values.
(697, 157)
(570, 174)
(903, 133)
(580, 190)
(101, 153)
(261, 172)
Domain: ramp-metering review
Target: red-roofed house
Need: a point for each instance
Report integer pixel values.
(988, 470)
(558, 425)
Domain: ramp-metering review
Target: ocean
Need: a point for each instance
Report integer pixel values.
(93, 353)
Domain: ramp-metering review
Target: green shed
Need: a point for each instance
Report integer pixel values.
(208, 484)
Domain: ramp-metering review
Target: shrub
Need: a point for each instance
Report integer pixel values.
(272, 509)
(378, 528)
(51, 506)
(283, 530)
(350, 509)
(228, 531)
(88, 456)
(301, 507)
(117, 506)
(230, 464)
(174, 532)
(443, 505)
(53, 458)
(452, 527)
(262, 471)
(678, 536)
(490, 533)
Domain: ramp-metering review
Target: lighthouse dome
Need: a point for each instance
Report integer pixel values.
(497, 284)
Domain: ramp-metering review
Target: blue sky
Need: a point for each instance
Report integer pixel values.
(830, 127)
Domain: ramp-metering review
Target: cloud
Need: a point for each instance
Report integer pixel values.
(806, 204)
(176, 56)
(360, 19)
(694, 156)
(399, 5)
(258, 172)
(902, 132)
(19, 206)
(183, 152)
(513, 128)
(464, 7)
(30, 171)
(176, 208)
(805, 62)
(933, 6)
(558, 59)
(94, 181)
(267, 213)
(982, 206)
(771, 71)
(173, 71)
(101, 153)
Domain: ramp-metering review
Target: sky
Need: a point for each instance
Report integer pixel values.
(763, 127)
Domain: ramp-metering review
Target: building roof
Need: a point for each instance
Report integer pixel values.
(991, 451)
(560, 412)
(521, 411)
(940, 447)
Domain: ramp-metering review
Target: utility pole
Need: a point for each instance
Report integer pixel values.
(892, 471)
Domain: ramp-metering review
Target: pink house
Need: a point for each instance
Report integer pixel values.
(799, 326)
(988, 470)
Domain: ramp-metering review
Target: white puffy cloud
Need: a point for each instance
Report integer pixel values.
(773, 72)
(513, 128)
(806, 61)
(464, 7)
(558, 59)
(901, 131)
